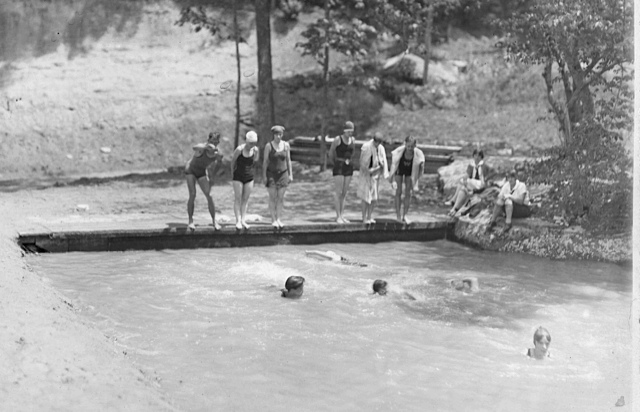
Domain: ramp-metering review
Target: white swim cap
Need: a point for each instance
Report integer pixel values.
(251, 137)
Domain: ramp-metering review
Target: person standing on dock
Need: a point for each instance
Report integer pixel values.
(277, 173)
(407, 166)
(242, 163)
(373, 163)
(200, 168)
(340, 154)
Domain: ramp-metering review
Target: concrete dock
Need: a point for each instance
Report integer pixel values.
(160, 232)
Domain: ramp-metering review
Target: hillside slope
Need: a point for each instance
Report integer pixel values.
(144, 89)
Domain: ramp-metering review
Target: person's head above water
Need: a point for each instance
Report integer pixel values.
(294, 287)
(380, 287)
(466, 284)
(541, 342)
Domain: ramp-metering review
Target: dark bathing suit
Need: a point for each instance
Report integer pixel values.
(244, 169)
(406, 166)
(197, 166)
(277, 173)
(343, 166)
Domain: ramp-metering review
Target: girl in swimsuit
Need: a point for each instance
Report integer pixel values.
(200, 168)
(340, 154)
(277, 173)
(242, 163)
(407, 166)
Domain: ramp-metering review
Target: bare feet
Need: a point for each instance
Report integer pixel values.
(406, 221)
(191, 226)
(339, 220)
(216, 225)
(280, 223)
(245, 225)
(275, 224)
(239, 225)
(346, 220)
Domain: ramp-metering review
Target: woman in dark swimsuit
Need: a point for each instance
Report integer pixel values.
(277, 173)
(199, 169)
(341, 153)
(407, 166)
(242, 162)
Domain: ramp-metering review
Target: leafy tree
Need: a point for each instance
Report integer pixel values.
(584, 45)
(413, 21)
(340, 31)
(202, 18)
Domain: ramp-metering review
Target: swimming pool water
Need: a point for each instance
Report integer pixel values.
(211, 325)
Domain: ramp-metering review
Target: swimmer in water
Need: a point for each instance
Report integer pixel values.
(294, 287)
(381, 288)
(332, 256)
(541, 342)
(466, 284)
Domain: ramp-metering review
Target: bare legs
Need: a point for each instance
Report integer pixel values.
(341, 186)
(276, 204)
(403, 208)
(203, 182)
(367, 211)
(241, 192)
(460, 196)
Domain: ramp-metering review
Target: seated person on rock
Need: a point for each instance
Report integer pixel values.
(541, 342)
(332, 256)
(466, 285)
(381, 287)
(473, 182)
(294, 287)
(513, 199)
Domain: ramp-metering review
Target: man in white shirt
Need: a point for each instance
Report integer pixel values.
(513, 199)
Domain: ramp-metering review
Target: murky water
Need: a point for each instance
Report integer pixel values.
(212, 326)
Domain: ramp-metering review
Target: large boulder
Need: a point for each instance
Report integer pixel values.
(446, 71)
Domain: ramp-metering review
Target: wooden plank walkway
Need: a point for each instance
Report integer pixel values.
(160, 232)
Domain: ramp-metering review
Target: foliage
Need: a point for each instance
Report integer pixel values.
(586, 47)
(591, 182)
(349, 37)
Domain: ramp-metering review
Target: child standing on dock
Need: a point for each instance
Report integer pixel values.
(373, 164)
(340, 154)
(200, 168)
(407, 166)
(242, 163)
(277, 173)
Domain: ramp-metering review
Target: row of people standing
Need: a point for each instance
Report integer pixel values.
(407, 166)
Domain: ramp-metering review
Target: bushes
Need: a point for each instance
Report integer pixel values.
(592, 185)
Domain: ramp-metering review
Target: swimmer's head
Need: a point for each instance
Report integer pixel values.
(380, 287)
(294, 287)
(541, 341)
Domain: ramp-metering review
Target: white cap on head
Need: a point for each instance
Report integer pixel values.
(251, 137)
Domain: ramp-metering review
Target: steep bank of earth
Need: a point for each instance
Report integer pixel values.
(117, 85)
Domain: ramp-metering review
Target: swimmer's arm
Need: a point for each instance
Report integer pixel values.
(265, 162)
(332, 150)
(289, 168)
(318, 253)
(234, 157)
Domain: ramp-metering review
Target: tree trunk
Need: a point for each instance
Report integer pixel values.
(325, 92)
(236, 140)
(560, 110)
(265, 107)
(427, 44)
